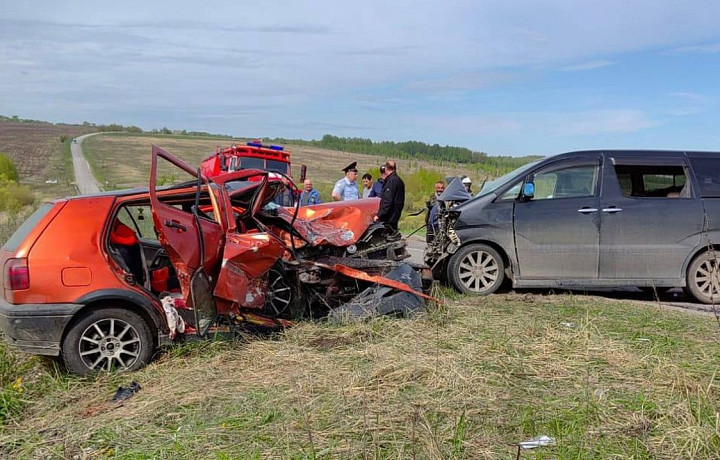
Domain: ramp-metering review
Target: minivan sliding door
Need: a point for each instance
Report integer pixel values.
(557, 231)
(650, 220)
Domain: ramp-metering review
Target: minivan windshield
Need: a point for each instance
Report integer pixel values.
(493, 185)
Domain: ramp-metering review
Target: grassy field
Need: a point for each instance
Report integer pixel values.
(605, 378)
(40, 156)
(123, 160)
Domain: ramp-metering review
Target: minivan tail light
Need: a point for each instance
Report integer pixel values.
(17, 274)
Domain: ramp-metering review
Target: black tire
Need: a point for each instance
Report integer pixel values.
(703, 278)
(108, 339)
(476, 269)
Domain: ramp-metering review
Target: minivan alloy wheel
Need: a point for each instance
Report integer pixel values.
(476, 269)
(703, 281)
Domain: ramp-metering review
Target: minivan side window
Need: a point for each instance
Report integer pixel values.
(647, 181)
(570, 182)
(707, 173)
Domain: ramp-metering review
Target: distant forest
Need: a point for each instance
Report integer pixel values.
(479, 161)
(492, 165)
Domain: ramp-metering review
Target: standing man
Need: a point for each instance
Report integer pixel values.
(346, 189)
(378, 185)
(367, 185)
(432, 202)
(309, 195)
(392, 200)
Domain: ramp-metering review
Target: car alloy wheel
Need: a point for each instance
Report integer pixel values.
(108, 339)
(703, 281)
(109, 344)
(476, 269)
(279, 295)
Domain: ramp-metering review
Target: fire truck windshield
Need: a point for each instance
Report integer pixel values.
(277, 166)
(252, 163)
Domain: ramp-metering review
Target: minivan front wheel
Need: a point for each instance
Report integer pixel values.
(476, 269)
(108, 339)
(703, 278)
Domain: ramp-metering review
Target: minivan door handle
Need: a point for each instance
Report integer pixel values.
(587, 210)
(612, 209)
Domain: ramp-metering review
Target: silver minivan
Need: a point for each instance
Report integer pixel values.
(641, 218)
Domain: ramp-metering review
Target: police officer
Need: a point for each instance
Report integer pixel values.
(346, 188)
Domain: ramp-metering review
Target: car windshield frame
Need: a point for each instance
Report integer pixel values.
(495, 184)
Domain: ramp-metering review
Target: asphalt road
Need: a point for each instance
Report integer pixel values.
(84, 179)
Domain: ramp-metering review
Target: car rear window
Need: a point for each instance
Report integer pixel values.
(21, 233)
(707, 173)
(652, 181)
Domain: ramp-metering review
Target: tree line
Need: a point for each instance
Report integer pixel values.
(434, 153)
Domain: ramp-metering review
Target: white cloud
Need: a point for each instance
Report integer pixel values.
(590, 65)
(708, 48)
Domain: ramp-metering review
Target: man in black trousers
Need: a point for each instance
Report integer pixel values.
(392, 199)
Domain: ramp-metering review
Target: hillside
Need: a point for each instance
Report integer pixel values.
(41, 153)
(123, 160)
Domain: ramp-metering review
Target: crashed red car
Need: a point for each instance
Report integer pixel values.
(103, 280)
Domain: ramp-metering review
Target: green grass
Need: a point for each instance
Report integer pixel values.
(470, 379)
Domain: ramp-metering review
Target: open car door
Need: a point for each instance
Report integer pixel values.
(249, 254)
(192, 239)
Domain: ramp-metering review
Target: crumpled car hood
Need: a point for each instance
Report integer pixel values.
(339, 224)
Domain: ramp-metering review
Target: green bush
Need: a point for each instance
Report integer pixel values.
(8, 171)
(14, 196)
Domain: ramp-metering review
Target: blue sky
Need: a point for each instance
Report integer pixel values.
(504, 77)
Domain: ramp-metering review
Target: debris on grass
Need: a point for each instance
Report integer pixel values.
(124, 393)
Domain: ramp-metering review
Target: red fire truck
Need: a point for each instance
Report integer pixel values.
(253, 155)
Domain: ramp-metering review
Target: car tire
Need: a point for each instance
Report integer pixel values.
(476, 269)
(108, 339)
(703, 278)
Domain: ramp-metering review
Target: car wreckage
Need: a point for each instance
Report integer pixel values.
(95, 280)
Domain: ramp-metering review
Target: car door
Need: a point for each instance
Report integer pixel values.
(193, 240)
(557, 231)
(249, 253)
(650, 218)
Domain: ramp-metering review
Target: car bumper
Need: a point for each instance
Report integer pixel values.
(36, 328)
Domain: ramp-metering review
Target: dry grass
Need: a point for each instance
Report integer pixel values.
(607, 379)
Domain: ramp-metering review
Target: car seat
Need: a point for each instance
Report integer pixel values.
(125, 245)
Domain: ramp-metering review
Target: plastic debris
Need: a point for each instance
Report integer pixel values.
(538, 441)
(124, 393)
(566, 324)
(380, 300)
(175, 321)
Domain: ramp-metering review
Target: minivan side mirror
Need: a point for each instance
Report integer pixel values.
(528, 190)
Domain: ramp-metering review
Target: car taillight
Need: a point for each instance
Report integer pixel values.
(17, 275)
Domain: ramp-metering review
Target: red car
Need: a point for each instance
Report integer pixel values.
(103, 280)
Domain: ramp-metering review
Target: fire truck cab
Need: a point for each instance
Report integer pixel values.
(253, 155)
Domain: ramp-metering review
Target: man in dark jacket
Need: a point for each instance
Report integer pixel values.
(378, 185)
(392, 200)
